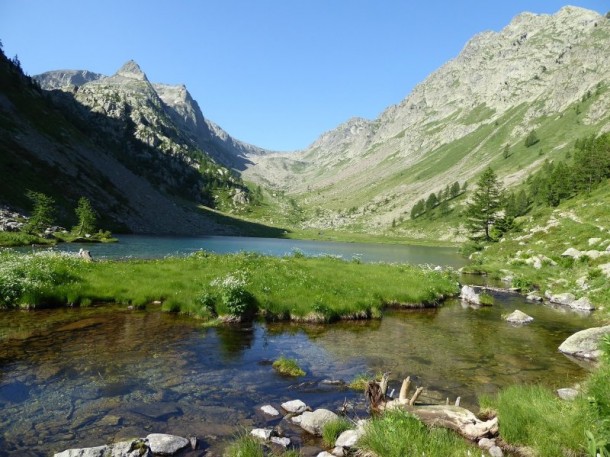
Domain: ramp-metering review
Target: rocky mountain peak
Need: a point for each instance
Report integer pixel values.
(131, 70)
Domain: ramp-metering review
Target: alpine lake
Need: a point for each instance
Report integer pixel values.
(82, 377)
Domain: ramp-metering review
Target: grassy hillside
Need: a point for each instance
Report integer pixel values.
(582, 223)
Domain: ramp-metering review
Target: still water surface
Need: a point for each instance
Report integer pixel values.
(84, 377)
(140, 246)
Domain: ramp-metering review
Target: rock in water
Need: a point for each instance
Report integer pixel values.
(314, 422)
(518, 317)
(469, 295)
(163, 444)
(294, 406)
(585, 343)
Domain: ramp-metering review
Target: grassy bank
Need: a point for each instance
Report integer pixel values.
(207, 285)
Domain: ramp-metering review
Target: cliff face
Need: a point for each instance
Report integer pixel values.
(543, 72)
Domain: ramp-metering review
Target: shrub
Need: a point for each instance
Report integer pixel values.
(234, 299)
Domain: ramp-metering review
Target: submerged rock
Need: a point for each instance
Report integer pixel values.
(518, 317)
(585, 343)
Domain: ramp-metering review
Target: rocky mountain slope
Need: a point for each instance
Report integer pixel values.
(548, 73)
(115, 141)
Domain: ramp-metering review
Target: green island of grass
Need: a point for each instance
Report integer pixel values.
(209, 286)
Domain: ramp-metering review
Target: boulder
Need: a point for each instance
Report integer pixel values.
(585, 343)
(594, 241)
(495, 451)
(534, 297)
(349, 438)
(469, 295)
(270, 410)
(518, 317)
(294, 406)
(571, 252)
(562, 299)
(567, 393)
(98, 451)
(163, 444)
(486, 443)
(582, 304)
(313, 422)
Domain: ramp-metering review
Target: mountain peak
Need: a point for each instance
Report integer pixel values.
(132, 70)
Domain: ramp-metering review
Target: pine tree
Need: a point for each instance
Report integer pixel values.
(431, 202)
(455, 189)
(418, 209)
(43, 212)
(86, 217)
(506, 152)
(531, 139)
(485, 206)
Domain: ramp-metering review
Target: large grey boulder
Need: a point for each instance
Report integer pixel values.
(163, 444)
(585, 343)
(582, 304)
(313, 422)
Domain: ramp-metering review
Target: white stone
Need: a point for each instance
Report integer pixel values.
(294, 406)
(282, 441)
(495, 451)
(162, 443)
(349, 438)
(262, 433)
(469, 295)
(534, 297)
(270, 410)
(313, 422)
(605, 268)
(567, 393)
(325, 454)
(486, 443)
(571, 252)
(518, 317)
(594, 241)
(593, 254)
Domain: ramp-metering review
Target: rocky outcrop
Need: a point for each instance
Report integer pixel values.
(585, 344)
(501, 86)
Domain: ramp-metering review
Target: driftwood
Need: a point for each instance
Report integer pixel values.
(453, 417)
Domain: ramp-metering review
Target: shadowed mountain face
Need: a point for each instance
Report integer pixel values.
(548, 73)
(175, 103)
(113, 140)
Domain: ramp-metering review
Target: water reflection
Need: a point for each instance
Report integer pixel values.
(82, 377)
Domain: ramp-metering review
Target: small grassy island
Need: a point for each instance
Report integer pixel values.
(231, 287)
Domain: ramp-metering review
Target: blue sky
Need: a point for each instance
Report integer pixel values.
(274, 73)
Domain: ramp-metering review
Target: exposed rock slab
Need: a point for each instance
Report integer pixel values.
(163, 444)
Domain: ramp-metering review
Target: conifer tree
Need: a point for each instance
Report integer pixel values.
(484, 209)
(86, 217)
(43, 212)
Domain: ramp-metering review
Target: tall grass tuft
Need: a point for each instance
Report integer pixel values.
(397, 434)
(288, 367)
(332, 430)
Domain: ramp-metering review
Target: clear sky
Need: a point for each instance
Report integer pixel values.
(274, 73)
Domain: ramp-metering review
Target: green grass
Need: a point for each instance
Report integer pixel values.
(288, 367)
(332, 430)
(361, 380)
(205, 285)
(247, 445)
(8, 239)
(397, 434)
